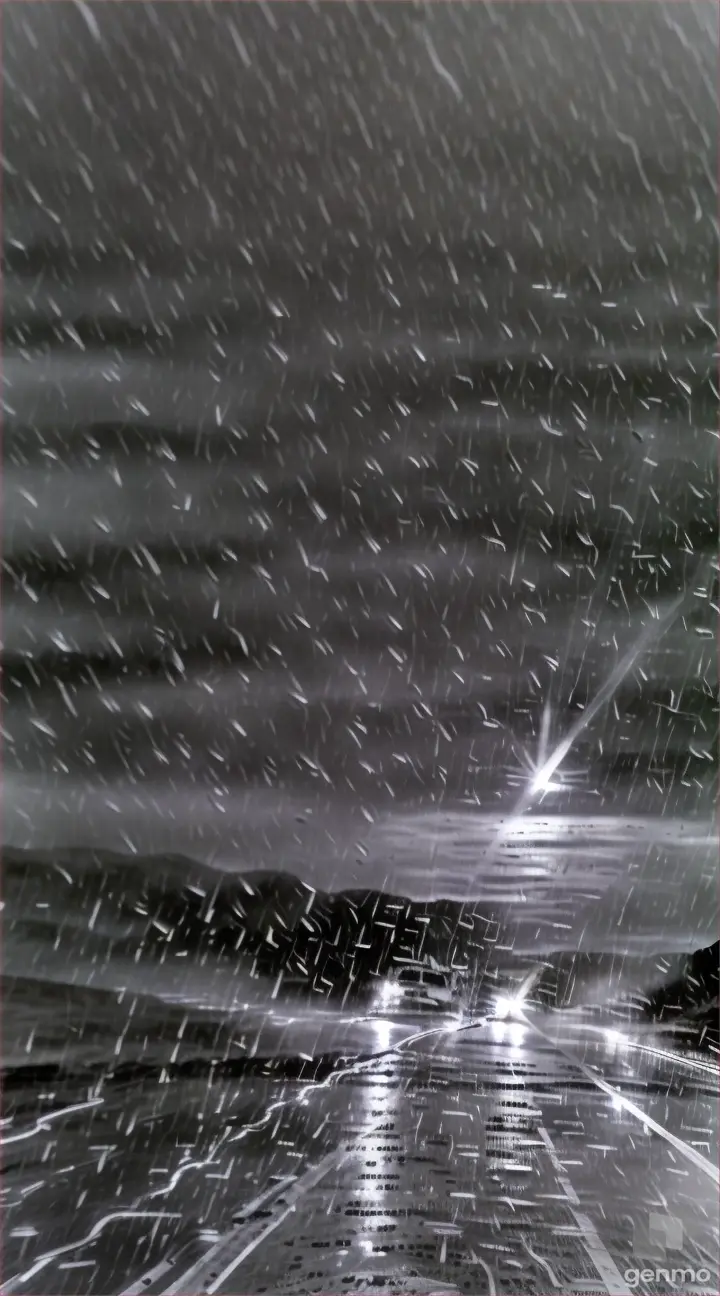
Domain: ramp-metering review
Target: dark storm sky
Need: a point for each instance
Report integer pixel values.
(359, 405)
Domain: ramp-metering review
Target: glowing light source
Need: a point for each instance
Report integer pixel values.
(383, 1034)
(389, 993)
(547, 765)
(541, 773)
(543, 783)
(616, 1040)
(505, 1007)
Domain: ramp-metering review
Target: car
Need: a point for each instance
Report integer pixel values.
(421, 986)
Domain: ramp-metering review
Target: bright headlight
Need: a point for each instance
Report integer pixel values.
(389, 992)
(615, 1039)
(503, 1007)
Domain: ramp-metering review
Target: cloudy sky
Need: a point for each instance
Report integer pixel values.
(360, 413)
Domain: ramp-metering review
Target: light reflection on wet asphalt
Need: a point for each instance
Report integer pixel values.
(480, 1160)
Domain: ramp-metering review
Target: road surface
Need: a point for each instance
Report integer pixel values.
(475, 1160)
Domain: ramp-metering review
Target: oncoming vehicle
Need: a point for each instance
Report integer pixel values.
(420, 985)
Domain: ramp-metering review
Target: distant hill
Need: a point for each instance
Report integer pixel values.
(571, 979)
(693, 992)
(331, 944)
(689, 1002)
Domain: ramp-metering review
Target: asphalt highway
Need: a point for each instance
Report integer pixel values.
(518, 1156)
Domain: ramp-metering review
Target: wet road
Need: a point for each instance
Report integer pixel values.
(481, 1160)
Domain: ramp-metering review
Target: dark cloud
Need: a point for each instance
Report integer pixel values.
(360, 403)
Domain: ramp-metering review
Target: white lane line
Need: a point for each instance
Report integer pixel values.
(589, 1236)
(620, 1100)
(230, 1242)
(541, 1261)
(308, 1181)
(627, 1042)
(476, 1259)
(275, 1190)
(677, 1059)
(184, 1283)
(160, 1270)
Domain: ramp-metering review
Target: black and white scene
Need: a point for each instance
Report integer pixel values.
(359, 648)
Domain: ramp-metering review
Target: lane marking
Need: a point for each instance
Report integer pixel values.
(299, 1187)
(541, 1261)
(308, 1180)
(684, 1149)
(188, 1277)
(589, 1236)
(160, 1270)
(476, 1259)
(627, 1042)
(312, 1177)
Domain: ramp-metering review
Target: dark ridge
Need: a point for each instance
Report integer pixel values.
(692, 999)
(247, 312)
(58, 258)
(170, 335)
(556, 539)
(102, 862)
(307, 942)
(534, 387)
(676, 761)
(244, 446)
